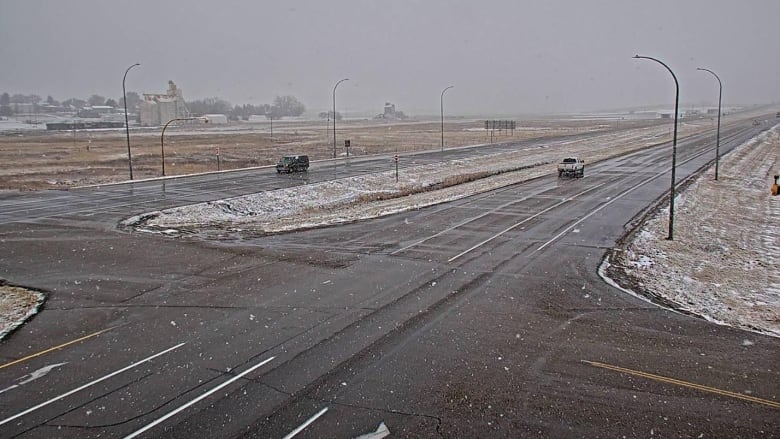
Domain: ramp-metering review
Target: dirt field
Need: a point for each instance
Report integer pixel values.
(57, 160)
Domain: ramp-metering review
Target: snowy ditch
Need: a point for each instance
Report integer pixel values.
(722, 263)
(726, 238)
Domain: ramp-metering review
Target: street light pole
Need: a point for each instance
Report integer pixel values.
(334, 115)
(717, 141)
(127, 127)
(442, 116)
(670, 237)
(162, 137)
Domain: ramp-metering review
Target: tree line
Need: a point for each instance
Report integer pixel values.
(8, 102)
(282, 106)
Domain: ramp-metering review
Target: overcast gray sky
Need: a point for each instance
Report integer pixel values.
(506, 57)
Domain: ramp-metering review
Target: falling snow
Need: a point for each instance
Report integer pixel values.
(726, 242)
(722, 263)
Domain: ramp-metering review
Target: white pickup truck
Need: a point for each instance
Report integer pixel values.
(571, 167)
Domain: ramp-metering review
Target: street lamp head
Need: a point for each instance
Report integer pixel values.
(128, 69)
(712, 73)
(336, 86)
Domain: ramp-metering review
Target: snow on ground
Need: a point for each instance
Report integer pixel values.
(722, 263)
(16, 126)
(16, 305)
(347, 200)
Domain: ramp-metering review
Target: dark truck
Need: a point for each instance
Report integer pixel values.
(292, 163)
(571, 167)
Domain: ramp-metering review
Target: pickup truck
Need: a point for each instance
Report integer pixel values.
(571, 167)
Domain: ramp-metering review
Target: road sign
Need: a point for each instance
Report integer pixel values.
(346, 143)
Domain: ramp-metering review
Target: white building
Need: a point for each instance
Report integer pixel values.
(158, 109)
(216, 119)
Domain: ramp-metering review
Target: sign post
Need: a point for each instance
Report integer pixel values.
(395, 158)
(217, 151)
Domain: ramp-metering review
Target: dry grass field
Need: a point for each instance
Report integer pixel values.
(38, 160)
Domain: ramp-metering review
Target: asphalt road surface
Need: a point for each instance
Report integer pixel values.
(483, 317)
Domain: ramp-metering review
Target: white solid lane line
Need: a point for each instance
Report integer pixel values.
(462, 223)
(596, 210)
(566, 200)
(92, 383)
(657, 175)
(300, 428)
(198, 399)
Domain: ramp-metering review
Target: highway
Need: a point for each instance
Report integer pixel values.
(483, 317)
(135, 197)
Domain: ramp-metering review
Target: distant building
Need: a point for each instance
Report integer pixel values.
(51, 109)
(22, 108)
(88, 113)
(216, 119)
(95, 111)
(103, 109)
(158, 109)
(389, 110)
(390, 113)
